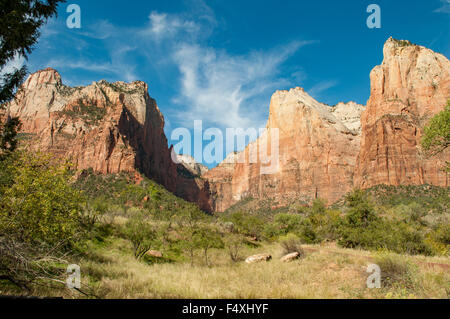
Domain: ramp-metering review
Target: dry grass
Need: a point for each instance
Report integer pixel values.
(325, 272)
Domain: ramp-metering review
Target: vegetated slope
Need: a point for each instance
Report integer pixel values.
(325, 152)
(109, 127)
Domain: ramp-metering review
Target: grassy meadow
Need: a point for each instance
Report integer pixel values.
(134, 239)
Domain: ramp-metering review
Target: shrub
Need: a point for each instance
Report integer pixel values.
(206, 238)
(40, 205)
(291, 244)
(287, 223)
(396, 271)
(246, 224)
(234, 243)
(40, 219)
(142, 235)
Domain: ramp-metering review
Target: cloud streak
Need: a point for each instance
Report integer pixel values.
(321, 87)
(445, 8)
(218, 86)
(213, 85)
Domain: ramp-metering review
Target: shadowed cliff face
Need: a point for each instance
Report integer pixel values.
(110, 127)
(323, 151)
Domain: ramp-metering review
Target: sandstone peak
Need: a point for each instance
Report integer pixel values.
(109, 127)
(286, 106)
(349, 114)
(327, 151)
(47, 76)
(407, 89)
(191, 164)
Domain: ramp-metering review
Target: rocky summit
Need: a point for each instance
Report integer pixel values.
(323, 151)
(326, 151)
(109, 127)
(318, 147)
(407, 89)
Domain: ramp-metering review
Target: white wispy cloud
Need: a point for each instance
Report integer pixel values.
(162, 25)
(321, 87)
(445, 8)
(218, 87)
(117, 65)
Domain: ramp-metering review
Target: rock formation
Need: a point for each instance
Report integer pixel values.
(323, 151)
(258, 258)
(110, 127)
(191, 165)
(407, 89)
(318, 146)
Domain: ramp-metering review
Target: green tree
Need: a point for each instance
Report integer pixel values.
(190, 220)
(142, 235)
(39, 204)
(40, 218)
(206, 238)
(436, 137)
(20, 21)
(246, 224)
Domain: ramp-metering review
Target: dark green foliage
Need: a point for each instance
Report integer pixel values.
(430, 199)
(122, 190)
(246, 224)
(8, 134)
(362, 227)
(291, 244)
(404, 219)
(90, 114)
(437, 134)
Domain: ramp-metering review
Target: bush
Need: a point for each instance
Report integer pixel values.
(246, 224)
(142, 235)
(41, 221)
(291, 244)
(40, 205)
(234, 244)
(396, 271)
(287, 223)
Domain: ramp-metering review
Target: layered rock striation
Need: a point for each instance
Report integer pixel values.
(317, 150)
(110, 127)
(407, 89)
(320, 151)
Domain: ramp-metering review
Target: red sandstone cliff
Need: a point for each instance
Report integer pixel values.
(407, 89)
(318, 146)
(110, 127)
(323, 151)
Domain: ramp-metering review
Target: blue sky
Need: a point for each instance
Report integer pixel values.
(220, 60)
